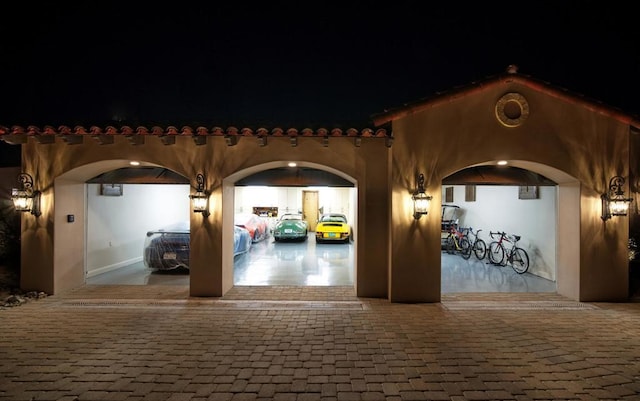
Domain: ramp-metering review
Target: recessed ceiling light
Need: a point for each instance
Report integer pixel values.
(134, 163)
(292, 164)
(502, 163)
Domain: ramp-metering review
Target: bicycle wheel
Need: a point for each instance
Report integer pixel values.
(496, 253)
(480, 249)
(450, 246)
(465, 248)
(520, 260)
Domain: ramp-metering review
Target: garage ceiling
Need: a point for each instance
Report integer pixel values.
(139, 175)
(497, 175)
(295, 177)
(304, 177)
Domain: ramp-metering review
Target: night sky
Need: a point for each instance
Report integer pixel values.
(295, 64)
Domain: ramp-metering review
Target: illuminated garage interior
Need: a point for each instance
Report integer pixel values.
(282, 188)
(155, 197)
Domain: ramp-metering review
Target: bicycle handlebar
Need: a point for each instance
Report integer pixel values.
(509, 238)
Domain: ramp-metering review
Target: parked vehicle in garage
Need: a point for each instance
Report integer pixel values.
(450, 220)
(168, 248)
(290, 227)
(257, 226)
(241, 240)
(333, 227)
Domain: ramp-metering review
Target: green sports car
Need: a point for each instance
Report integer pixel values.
(290, 227)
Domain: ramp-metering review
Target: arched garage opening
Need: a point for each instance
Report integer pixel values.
(534, 201)
(291, 187)
(102, 214)
(138, 227)
(117, 198)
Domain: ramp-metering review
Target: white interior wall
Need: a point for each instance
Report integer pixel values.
(497, 208)
(289, 199)
(116, 225)
(335, 200)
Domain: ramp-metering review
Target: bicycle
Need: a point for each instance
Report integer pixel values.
(456, 241)
(499, 254)
(477, 246)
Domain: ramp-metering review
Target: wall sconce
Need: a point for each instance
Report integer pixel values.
(25, 199)
(200, 200)
(613, 202)
(421, 201)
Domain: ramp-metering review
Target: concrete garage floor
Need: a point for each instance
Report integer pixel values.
(270, 263)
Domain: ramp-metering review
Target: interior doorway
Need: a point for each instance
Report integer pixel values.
(310, 208)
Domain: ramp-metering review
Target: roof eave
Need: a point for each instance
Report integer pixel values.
(477, 87)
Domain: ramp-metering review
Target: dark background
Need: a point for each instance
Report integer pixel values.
(294, 64)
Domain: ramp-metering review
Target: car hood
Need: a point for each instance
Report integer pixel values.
(175, 228)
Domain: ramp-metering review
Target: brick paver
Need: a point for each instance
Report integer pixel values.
(291, 343)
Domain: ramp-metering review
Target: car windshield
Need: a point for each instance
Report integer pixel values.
(175, 228)
(244, 219)
(334, 218)
(291, 217)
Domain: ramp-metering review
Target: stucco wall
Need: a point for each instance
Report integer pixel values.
(573, 140)
(211, 268)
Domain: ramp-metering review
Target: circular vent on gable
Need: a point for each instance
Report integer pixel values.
(512, 109)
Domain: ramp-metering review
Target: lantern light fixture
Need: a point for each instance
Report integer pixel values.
(200, 200)
(613, 202)
(25, 198)
(421, 201)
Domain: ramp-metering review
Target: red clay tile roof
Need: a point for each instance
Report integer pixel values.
(47, 134)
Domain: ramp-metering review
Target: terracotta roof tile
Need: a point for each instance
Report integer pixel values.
(19, 134)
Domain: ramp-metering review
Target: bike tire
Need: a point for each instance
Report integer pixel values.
(520, 260)
(496, 253)
(450, 246)
(465, 248)
(480, 249)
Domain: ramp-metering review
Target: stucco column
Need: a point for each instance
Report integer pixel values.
(206, 255)
(372, 221)
(415, 252)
